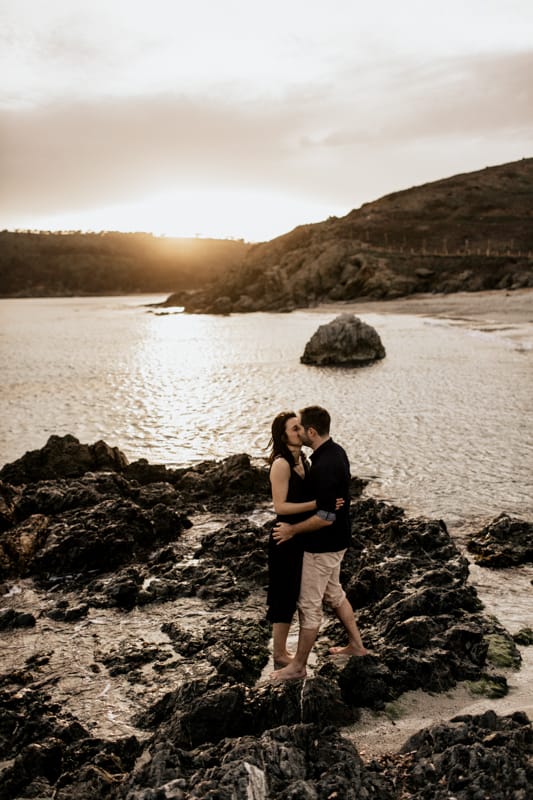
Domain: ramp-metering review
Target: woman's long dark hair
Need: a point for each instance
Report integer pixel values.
(278, 440)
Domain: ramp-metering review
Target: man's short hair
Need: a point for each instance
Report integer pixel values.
(315, 417)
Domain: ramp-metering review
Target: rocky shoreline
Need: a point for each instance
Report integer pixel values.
(135, 645)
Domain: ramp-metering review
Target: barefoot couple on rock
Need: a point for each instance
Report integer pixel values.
(310, 537)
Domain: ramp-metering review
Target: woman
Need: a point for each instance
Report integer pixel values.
(289, 479)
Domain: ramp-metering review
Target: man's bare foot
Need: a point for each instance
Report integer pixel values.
(288, 673)
(349, 650)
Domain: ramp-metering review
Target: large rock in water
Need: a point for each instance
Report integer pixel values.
(345, 341)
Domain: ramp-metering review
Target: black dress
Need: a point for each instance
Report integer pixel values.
(285, 560)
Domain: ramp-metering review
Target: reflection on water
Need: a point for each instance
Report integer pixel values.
(441, 425)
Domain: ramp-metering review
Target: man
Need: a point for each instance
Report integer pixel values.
(327, 535)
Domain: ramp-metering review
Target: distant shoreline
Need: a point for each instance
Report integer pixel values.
(495, 306)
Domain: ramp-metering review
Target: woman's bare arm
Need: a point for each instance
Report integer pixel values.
(280, 473)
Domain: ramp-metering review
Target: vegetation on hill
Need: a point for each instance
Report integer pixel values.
(36, 264)
(465, 233)
(469, 232)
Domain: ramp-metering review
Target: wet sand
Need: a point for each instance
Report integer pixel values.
(502, 313)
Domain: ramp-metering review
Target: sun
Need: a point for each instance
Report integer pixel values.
(219, 213)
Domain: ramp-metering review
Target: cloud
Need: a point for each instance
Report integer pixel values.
(473, 97)
(90, 151)
(340, 142)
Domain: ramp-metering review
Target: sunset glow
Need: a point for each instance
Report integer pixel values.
(234, 120)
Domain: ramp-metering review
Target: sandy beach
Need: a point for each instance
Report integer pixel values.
(508, 314)
(480, 308)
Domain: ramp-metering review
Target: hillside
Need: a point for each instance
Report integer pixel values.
(470, 232)
(55, 264)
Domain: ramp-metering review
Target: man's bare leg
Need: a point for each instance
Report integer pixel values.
(355, 646)
(280, 631)
(297, 667)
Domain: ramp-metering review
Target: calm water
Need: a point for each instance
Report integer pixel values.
(442, 425)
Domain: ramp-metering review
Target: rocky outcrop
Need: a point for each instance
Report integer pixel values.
(346, 341)
(62, 457)
(468, 758)
(212, 484)
(48, 753)
(467, 233)
(504, 542)
(121, 543)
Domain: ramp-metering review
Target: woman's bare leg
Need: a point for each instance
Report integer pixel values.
(280, 632)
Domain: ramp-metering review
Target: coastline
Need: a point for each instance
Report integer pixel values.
(380, 734)
(143, 635)
(497, 306)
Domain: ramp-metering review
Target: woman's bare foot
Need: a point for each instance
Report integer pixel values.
(349, 650)
(283, 659)
(288, 673)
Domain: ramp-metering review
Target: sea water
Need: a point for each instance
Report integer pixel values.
(441, 426)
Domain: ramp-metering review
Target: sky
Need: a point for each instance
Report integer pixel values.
(244, 119)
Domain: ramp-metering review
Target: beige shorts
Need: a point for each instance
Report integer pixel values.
(320, 581)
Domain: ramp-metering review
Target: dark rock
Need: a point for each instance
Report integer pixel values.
(63, 613)
(345, 341)
(296, 762)
(9, 619)
(83, 540)
(233, 484)
(46, 750)
(52, 497)
(143, 472)
(416, 610)
(65, 474)
(366, 683)
(469, 638)
(110, 539)
(124, 590)
(222, 305)
(416, 631)
(239, 649)
(8, 497)
(19, 545)
(524, 637)
(470, 757)
(128, 659)
(243, 546)
(62, 457)
(205, 711)
(504, 542)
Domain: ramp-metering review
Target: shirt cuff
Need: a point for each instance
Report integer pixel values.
(327, 516)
